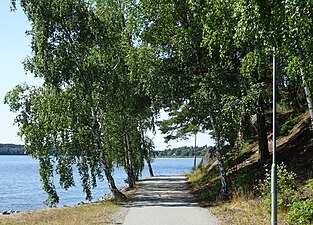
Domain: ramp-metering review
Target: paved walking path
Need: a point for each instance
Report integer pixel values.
(166, 200)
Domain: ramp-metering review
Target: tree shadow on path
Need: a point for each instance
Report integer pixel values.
(164, 191)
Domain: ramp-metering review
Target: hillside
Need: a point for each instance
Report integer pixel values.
(244, 172)
(295, 150)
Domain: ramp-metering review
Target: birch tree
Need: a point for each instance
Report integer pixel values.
(73, 51)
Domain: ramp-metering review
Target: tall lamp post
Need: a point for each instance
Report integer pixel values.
(273, 171)
(195, 152)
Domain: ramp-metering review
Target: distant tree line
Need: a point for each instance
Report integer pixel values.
(11, 149)
(184, 151)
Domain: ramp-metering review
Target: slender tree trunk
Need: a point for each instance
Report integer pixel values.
(148, 159)
(107, 169)
(150, 166)
(146, 152)
(262, 133)
(224, 186)
(245, 128)
(308, 98)
(128, 160)
(116, 193)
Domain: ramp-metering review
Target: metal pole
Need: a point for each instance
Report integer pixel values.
(195, 152)
(274, 172)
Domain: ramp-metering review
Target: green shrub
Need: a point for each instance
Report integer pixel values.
(301, 212)
(209, 194)
(301, 209)
(286, 187)
(308, 185)
(244, 180)
(284, 129)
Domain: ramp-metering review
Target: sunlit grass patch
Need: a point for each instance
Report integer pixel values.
(243, 211)
(95, 213)
(195, 175)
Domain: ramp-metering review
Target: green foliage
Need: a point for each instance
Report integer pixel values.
(244, 180)
(285, 128)
(286, 187)
(206, 192)
(301, 208)
(244, 143)
(308, 186)
(88, 110)
(210, 194)
(109, 66)
(301, 212)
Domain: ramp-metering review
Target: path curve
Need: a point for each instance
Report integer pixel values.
(165, 200)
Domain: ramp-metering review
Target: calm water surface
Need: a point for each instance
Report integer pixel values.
(20, 185)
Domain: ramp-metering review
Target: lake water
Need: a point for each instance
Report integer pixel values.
(20, 185)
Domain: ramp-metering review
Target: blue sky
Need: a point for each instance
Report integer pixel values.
(14, 48)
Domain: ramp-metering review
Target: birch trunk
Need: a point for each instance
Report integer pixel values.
(128, 160)
(107, 169)
(148, 153)
(224, 186)
(308, 98)
(150, 167)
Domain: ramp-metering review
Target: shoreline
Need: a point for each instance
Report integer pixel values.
(107, 197)
(9, 207)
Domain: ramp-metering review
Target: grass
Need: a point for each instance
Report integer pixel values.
(95, 213)
(245, 211)
(243, 207)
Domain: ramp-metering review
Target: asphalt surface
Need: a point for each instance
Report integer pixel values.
(165, 200)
